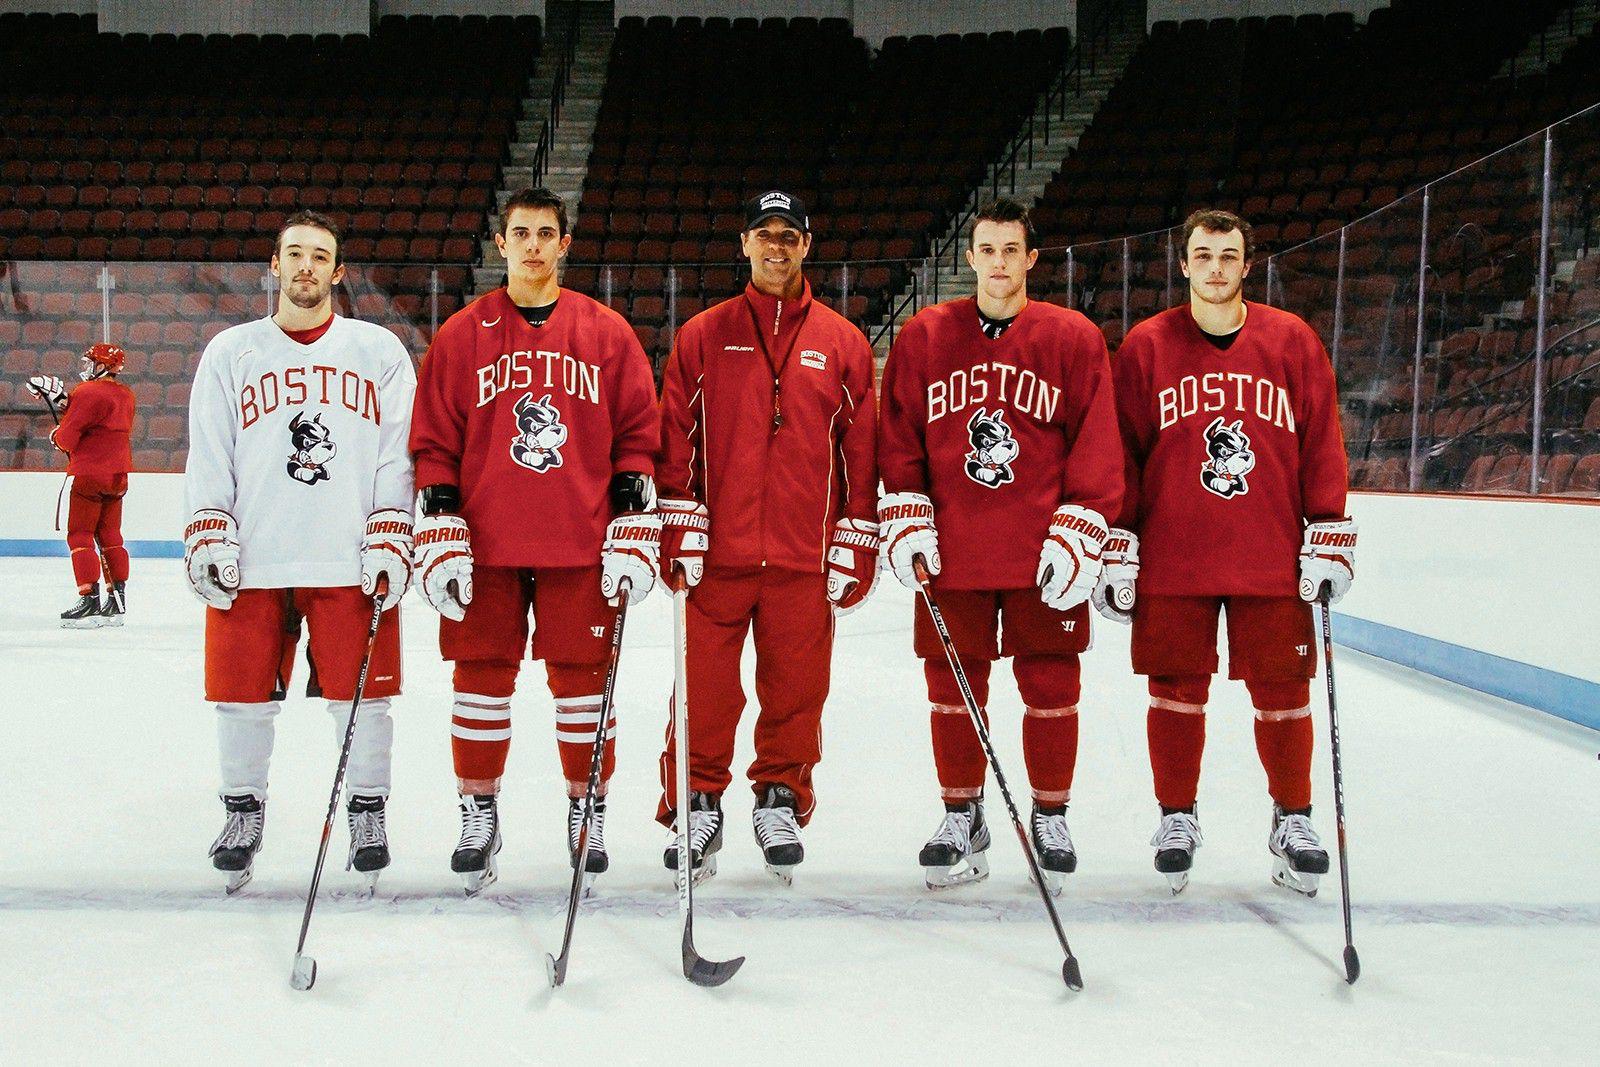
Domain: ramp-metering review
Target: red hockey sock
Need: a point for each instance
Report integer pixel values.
(576, 720)
(480, 737)
(116, 560)
(956, 752)
(1284, 741)
(1050, 750)
(1177, 741)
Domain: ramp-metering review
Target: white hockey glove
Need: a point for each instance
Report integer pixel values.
(1328, 557)
(49, 388)
(211, 557)
(386, 549)
(631, 554)
(1069, 566)
(444, 564)
(906, 520)
(685, 539)
(852, 563)
(1114, 594)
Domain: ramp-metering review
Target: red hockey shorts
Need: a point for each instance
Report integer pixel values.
(250, 647)
(1270, 641)
(571, 620)
(793, 624)
(94, 515)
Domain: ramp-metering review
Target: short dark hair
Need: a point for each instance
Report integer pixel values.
(307, 217)
(1007, 209)
(540, 197)
(1213, 221)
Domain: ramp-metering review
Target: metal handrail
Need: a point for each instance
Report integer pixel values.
(1085, 51)
(558, 96)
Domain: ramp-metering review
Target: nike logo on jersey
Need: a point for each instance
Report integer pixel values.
(491, 322)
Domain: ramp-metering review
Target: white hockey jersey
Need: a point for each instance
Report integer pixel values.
(300, 443)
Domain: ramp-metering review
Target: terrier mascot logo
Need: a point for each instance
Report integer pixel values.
(993, 449)
(313, 448)
(540, 434)
(1228, 459)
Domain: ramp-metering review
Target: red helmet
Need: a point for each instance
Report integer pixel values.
(102, 359)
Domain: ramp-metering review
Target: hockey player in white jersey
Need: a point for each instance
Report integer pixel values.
(300, 487)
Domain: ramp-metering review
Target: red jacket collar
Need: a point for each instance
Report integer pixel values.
(777, 316)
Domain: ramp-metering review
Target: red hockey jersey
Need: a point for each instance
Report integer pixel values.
(532, 423)
(1230, 451)
(95, 428)
(768, 418)
(998, 433)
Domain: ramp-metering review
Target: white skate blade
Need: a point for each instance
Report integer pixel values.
(475, 882)
(369, 884)
(237, 880)
(588, 884)
(1177, 881)
(707, 868)
(91, 622)
(1053, 881)
(975, 868)
(782, 872)
(111, 620)
(1303, 882)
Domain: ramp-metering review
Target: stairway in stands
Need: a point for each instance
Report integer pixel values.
(1545, 49)
(1034, 168)
(574, 135)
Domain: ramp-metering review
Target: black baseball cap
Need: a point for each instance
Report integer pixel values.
(776, 204)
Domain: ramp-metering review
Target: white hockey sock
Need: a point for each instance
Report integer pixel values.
(244, 747)
(367, 773)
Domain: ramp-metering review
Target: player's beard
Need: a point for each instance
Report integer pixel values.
(305, 297)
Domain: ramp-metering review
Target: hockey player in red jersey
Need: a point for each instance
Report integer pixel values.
(96, 419)
(534, 432)
(1000, 465)
(767, 455)
(1235, 501)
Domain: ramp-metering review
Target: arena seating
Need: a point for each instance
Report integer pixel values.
(883, 149)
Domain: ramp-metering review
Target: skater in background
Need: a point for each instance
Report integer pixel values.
(1001, 465)
(768, 454)
(1235, 502)
(96, 419)
(299, 485)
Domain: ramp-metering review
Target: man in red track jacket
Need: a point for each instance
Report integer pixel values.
(1235, 501)
(768, 483)
(96, 420)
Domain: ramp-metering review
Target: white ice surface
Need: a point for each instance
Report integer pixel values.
(1474, 869)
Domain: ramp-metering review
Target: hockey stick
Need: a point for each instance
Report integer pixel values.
(1070, 973)
(696, 968)
(556, 966)
(304, 975)
(1352, 962)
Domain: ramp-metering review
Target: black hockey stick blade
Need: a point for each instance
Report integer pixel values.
(1352, 965)
(704, 972)
(1071, 975)
(304, 975)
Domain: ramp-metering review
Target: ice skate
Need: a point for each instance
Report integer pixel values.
(959, 852)
(116, 605)
(778, 832)
(1299, 859)
(1052, 843)
(85, 614)
(234, 850)
(1175, 841)
(598, 861)
(474, 857)
(705, 837)
(369, 838)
